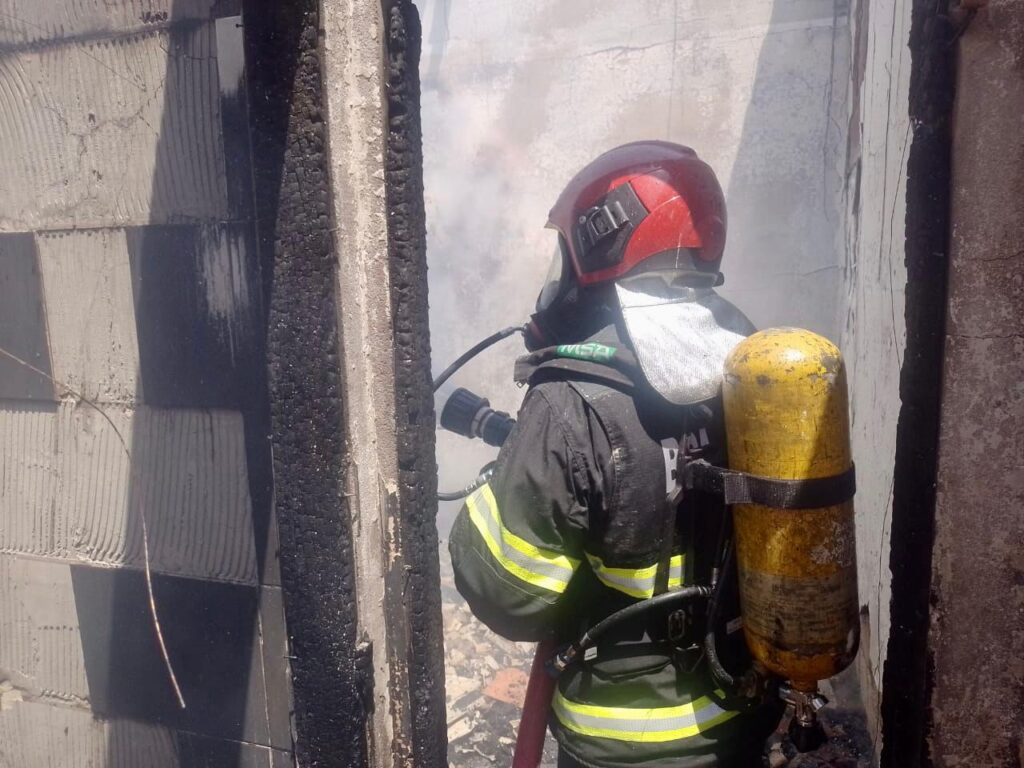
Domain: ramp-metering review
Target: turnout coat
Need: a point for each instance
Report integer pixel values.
(568, 530)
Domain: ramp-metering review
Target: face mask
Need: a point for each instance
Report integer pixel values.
(576, 316)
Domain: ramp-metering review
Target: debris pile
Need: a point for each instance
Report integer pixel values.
(847, 745)
(485, 683)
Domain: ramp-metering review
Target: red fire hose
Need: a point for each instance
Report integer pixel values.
(533, 725)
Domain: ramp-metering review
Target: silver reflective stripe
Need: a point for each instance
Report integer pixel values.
(636, 582)
(644, 725)
(527, 562)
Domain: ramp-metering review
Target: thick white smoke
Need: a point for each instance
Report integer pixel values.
(519, 94)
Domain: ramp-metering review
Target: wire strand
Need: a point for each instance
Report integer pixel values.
(142, 515)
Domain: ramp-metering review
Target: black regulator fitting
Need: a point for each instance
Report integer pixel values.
(805, 729)
(471, 416)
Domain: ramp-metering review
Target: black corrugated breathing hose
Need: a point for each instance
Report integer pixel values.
(718, 672)
(588, 639)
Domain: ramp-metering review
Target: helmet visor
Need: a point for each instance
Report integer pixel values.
(556, 281)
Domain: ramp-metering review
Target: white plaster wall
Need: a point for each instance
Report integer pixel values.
(874, 331)
(519, 94)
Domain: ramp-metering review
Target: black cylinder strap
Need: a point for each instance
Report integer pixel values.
(743, 488)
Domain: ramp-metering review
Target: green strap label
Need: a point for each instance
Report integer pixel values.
(589, 351)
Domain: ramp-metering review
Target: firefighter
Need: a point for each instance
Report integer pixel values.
(626, 349)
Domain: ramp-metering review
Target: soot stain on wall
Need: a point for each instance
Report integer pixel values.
(415, 431)
(299, 268)
(908, 668)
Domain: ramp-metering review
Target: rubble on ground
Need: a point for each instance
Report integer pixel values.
(485, 683)
(847, 744)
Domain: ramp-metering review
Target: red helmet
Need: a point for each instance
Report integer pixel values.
(649, 201)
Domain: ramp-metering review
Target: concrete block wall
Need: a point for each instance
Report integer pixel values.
(132, 403)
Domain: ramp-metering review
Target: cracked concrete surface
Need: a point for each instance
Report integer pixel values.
(86, 132)
(27, 23)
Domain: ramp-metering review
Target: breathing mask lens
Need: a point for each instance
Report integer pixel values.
(556, 279)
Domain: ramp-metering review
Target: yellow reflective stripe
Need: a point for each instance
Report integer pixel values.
(634, 713)
(541, 568)
(636, 582)
(642, 725)
(522, 546)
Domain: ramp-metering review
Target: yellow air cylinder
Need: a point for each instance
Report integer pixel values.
(785, 403)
